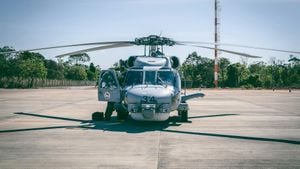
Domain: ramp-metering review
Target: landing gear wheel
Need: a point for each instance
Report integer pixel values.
(97, 116)
(183, 115)
(107, 116)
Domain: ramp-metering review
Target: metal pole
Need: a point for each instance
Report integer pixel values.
(216, 64)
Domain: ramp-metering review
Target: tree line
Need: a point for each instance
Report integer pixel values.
(31, 65)
(198, 71)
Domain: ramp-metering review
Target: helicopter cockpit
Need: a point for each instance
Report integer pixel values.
(150, 77)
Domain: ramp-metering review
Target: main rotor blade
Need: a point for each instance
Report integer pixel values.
(241, 46)
(72, 45)
(223, 50)
(117, 45)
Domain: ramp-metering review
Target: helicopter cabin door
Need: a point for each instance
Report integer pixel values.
(108, 87)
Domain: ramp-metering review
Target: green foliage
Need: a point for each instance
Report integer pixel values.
(93, 72)
(32, 68)
(233, 73)
(92, 67)
(224, 63)
(91, 75)
(29, 66)
(4, 66)
(54, 70)
(199, 71)
(30, 55)
(237, 75)
(76, 73)
(25, 65)
(6, 62)
(254, 80)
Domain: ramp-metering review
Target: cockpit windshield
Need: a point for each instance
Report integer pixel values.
(165, 78)
(161, 77)
(134, 78)
(150, 77)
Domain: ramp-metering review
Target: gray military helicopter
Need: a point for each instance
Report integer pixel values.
(150, 88)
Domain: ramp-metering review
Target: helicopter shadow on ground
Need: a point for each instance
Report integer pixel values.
(131, 126)
(128, 126)
(214, 115)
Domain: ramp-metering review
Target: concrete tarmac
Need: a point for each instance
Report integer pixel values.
(51, 128)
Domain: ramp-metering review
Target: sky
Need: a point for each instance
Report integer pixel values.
(26, 24)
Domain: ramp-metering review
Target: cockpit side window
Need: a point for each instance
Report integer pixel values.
(134, 78)
(165, 78)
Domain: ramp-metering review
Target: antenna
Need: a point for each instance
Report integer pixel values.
(217, 40)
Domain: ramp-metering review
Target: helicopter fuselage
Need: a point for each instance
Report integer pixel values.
(150, 91)
(155, 98)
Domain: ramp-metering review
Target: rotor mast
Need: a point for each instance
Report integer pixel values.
(217, 40)
(154, 42)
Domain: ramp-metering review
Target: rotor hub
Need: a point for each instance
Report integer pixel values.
(154, 40)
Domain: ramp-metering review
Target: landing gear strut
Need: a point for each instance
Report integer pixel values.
(183, 111)
(109, 110)
(122, 112)
(122, 115)
(183, 115)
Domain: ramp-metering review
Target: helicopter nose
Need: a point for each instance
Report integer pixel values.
(149, 103)
(149, 95)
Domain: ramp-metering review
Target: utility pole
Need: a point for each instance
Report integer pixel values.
(217, 40)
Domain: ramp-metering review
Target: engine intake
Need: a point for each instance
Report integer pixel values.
(174, 62)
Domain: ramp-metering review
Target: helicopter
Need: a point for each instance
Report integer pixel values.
(150, 88)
